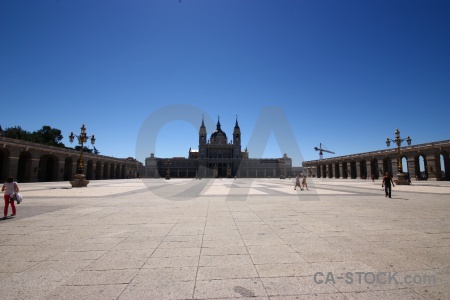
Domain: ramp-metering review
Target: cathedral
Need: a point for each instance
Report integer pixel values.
(218, 157)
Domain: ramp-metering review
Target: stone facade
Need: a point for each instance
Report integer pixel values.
(218, 157)
(31, 162)
(376, 163)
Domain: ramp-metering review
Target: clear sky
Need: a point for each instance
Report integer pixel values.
(344, 73)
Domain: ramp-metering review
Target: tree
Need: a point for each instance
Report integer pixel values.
(17, 133)
(48, 136)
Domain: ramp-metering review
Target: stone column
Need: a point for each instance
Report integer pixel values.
(61, 164)
(13, 168)
(341, 170)
(101, 171)
(411, 167)
(433, 167)
(349, 170)
(358, 170)
(369, 169)
(381, 170)
(394, 162)
(107, 171)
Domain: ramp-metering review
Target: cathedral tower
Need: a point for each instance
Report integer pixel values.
(237, 140)
(202, 140)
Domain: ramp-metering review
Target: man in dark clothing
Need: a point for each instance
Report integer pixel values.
(387, 180)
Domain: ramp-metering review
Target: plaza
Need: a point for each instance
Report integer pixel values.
(227, 238)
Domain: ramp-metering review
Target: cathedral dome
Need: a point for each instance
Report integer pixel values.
(218, 135)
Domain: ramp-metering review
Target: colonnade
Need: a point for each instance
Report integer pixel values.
(424, 161)
(31, 162)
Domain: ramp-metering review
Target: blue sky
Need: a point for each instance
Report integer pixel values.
(345, 73)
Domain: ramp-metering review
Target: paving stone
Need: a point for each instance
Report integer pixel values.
(127, 245)
(229, 288)
(159, 290)
(229, 272)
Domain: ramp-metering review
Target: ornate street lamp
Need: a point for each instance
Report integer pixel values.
(82, 138)
(401, 177)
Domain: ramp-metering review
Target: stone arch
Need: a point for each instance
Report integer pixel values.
(24, 167)
(117, 172)
(124, 172)
(4, 164)
(405, 167)
(363, 169)
(105, 170)
(90, 170)
(319, 173)
(324, 171)
(68, 169)
(422, 167)
(330, 170)
(344, 170)
(374, 168)
(337, 172)
(445, 165)
(98, 170)
(353, 172)
(48, 168)
(112, 171)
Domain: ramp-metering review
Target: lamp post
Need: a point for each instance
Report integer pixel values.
(79, 180)
(401, 177)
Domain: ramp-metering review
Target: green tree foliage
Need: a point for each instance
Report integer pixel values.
(46, 135)
(17, 133)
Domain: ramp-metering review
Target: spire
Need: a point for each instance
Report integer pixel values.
(202, 131)
(237, 125)
(218, 124)
(203, 121)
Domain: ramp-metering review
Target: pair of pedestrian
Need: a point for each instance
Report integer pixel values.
(297, 183)
(386, 183)
(9, 187)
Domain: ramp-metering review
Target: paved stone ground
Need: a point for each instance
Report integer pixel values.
(222, 239)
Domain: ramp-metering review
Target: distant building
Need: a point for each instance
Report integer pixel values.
(218, 157)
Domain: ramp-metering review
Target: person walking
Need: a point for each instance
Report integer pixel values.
(386, 183)
(304, 184)
(297, 182)
(9, 187)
